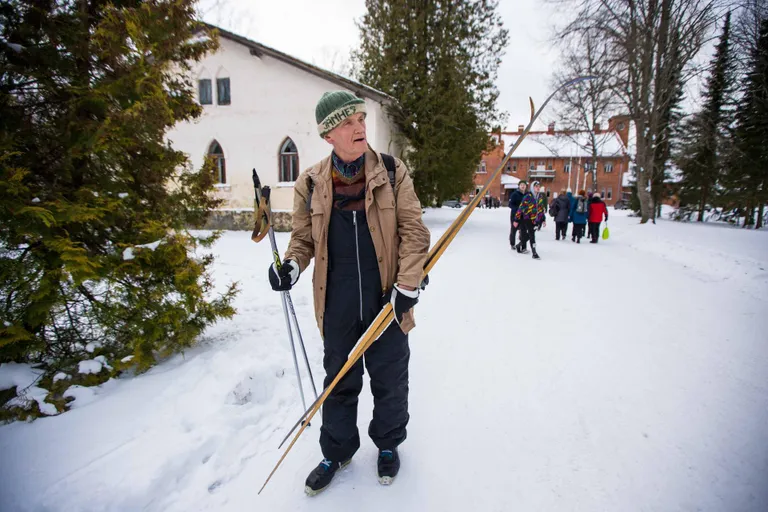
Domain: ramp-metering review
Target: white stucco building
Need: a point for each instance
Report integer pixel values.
(259, 112)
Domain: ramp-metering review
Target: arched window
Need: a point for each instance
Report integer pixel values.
(217, 154)
(289, 161)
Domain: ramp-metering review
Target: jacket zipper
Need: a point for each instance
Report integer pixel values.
(359, 273)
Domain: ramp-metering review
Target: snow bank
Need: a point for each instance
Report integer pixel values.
(23, 376)
(19, 375)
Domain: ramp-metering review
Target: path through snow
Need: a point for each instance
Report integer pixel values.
(624, 376)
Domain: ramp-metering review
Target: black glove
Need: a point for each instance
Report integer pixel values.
(283, 279)
(402, 301)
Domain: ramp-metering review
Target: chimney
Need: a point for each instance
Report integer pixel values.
(597, 127)
(520, 128)
(551, 128)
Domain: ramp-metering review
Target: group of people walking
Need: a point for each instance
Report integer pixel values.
(528, 209)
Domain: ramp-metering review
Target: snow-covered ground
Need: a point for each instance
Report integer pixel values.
(626, 376)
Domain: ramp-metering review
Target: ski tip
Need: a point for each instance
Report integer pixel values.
(533, 108)
(386, 480)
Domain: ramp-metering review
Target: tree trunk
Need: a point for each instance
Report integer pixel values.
(703, 203)
(749, 215)
(760, 213)
(646, 201)
(644, 173)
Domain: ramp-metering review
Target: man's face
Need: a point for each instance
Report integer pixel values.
(536, 189)
(348, 139)
(523, 187)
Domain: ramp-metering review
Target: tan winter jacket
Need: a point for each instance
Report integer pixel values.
(399, 236)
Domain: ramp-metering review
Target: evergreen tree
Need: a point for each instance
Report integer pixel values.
(95, 257)
(701, 162)
(439, 61)
(748, 170)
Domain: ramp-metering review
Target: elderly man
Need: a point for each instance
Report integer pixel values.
(361, 222)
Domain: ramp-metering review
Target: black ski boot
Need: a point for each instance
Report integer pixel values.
(388, 465)
(535, 254)
(521, 249)
(321, 476)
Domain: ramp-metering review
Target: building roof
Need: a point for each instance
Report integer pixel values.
(508, 181)
(259, 50)
(545, 145)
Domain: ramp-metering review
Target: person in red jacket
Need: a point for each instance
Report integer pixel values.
(596, 211)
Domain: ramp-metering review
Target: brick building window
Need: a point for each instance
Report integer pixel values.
(567, 167)
(610, 193)
(481, 168)
(608, 167)
(602, 194)
(514, 167)
(533, 166)
(549, 165)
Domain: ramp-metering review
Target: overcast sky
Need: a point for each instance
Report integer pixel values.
(323, 32)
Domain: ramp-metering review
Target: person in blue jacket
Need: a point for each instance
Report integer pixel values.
(579, 212)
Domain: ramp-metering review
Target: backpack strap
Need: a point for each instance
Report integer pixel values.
(311, 186)
(389, 163)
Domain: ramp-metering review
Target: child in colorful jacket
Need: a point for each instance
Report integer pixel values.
(531, 212)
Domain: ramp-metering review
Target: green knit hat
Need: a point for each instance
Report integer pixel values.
(334, 107)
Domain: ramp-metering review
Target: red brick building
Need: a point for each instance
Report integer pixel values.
(560, 160)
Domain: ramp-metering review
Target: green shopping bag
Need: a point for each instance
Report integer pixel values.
(606, 233)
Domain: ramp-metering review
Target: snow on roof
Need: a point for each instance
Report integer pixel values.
(542, 145)
(508, 181)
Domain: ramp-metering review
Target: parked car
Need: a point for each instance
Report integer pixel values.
(621, 204)
(452, 203)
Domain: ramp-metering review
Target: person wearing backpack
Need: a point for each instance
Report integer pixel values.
(561, 210)
(597, 210)
(578, 216)
(362, 225)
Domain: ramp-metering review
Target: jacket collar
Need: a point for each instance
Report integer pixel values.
(375, 172)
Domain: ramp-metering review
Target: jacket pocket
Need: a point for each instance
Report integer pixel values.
(387, 215)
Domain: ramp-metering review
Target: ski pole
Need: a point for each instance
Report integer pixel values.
(288, 301)
(262, 228)
(293, 347)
